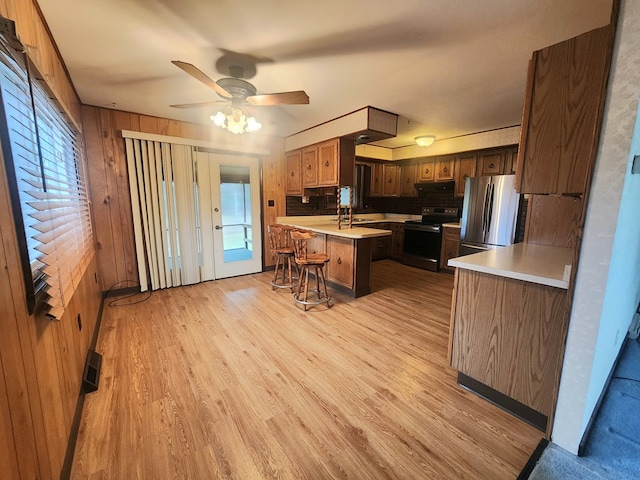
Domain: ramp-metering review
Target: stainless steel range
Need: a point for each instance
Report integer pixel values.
(423, 238)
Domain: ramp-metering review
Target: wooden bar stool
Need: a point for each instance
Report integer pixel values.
(307, 262)
(282, 249)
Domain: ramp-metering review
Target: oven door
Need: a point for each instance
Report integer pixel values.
(422, 245)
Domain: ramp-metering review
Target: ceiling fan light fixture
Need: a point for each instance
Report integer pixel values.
(235, 121)
(425, 140)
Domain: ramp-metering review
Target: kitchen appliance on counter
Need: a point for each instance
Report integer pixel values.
(423, 238)
(489, 213)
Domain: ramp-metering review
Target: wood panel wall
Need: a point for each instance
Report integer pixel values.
(41, 361)
(110, 188)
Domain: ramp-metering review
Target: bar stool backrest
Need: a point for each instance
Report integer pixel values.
(299, 239)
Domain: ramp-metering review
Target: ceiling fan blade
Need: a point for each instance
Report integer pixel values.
(199, 75)
(298, 97)
(201, 104)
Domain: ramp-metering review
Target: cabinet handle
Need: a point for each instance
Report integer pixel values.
(309, 167)
(339, 261)
(426, 170)
(326, 164)
(491, 165)
(445, 169)
(389, 181)
(465, 176)
(292, 174)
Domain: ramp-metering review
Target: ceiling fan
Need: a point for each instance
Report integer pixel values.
(237, 93)
(235, 89)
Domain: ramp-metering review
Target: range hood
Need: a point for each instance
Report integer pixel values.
(436, 187)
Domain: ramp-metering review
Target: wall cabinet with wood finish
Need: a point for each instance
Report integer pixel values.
(375, 188)
(324, 164)
(390, 180)
(450, 247)
(491, 162)
(426, 170)
(293, 183)
(444, 168)
(563, 108)
(465, 167)
(408, 178)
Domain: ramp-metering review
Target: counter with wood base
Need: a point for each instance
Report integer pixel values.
(508, 327)
(349, 250)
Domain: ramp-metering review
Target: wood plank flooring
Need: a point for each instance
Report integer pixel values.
(229, 379)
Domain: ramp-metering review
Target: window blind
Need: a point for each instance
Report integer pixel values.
(43, 155)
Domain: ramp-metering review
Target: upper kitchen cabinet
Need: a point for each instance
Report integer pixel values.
(426, 170)
(375, 188)
(562, 114)
(511, 160)
(491, 162)
(324, 164)
(390, 180)
(293, 184)
(444, 168)
(408, 174)
(465, 167)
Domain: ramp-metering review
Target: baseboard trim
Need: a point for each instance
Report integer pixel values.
(520, 410)
(533, 460)
(65, 473)
(587, 431)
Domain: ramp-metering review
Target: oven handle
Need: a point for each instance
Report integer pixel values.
(424, 228)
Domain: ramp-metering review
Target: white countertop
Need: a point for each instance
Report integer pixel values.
(451, 225)
(328, 224)
(541, 264)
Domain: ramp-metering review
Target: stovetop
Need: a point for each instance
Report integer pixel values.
(437, 216)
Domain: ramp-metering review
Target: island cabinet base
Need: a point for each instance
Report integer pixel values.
(509, 335)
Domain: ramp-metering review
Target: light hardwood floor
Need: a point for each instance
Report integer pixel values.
(228, 379)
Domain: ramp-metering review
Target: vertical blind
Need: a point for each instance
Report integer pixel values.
(50, 201)
(164, 198)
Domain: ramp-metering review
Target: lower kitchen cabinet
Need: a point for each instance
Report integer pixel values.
(397, 240)
(340, 268)
(450, 247)
(507, 342)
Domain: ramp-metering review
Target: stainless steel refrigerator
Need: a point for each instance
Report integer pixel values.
(489, 213)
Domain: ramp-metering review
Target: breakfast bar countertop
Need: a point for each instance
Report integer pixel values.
(328, 224)
(543, 264)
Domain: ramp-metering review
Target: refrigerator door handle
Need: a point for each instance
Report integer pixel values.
(490, 206)
(485, 209)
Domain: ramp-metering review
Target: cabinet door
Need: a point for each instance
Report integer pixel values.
(397, 240)
(465, 167)
(328, 162)
(341, 256)
(310, 166)
(450, 247)
(444, 169)
(491, 162)
(408, 180)
(317, 244)
(375, 188)
(294, 178)
(511, 161)
(426, 170)
(390, 180)
(562, 116)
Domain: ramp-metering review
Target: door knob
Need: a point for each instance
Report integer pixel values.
(218, 227)
(216, 209)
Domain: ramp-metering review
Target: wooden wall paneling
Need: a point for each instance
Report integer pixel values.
(189, 130)
(273, 187)
(113, 176)
(554, 220)
(148, 124)
(122, 121)
(8, 453)
(168, 127)
(18, 366)
(99, 195)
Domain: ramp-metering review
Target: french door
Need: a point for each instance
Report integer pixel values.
(228, 202)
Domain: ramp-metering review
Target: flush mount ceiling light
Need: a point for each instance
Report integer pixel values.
(235, 120)
(425, 140)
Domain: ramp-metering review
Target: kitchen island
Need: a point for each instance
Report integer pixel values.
(349, 249)
(508, 327)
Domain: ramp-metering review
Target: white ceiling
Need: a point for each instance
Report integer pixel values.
(448, 68)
